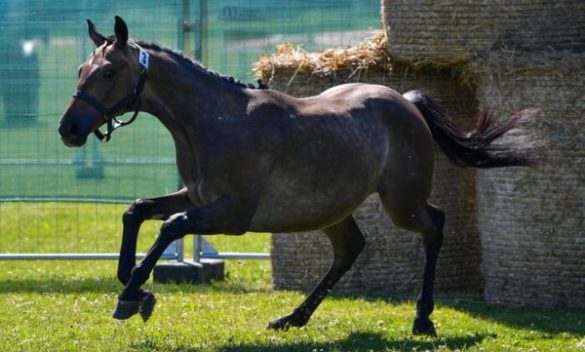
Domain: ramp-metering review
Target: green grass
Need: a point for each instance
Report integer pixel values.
(67, 305)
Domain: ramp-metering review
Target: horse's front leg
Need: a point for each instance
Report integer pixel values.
(226, 215)
(144, 209)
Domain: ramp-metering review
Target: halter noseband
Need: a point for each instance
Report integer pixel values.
(129, 102)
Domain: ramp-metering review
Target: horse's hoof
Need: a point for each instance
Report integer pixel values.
(126, 309)
(285, 322)
(147, 306)
(424, 326)
(278, 324)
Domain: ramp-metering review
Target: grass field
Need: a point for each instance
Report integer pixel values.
(67, 305)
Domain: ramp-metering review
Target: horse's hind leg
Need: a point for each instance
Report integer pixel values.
(347, 241)
(433, 239)
(429, 221)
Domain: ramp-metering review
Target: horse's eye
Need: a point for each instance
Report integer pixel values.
(109, 73)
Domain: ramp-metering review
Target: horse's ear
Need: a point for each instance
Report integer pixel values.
(96, 37)
(121, 31)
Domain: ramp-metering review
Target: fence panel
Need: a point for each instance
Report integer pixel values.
(41, 45)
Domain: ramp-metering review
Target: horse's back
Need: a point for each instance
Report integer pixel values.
(337, 148)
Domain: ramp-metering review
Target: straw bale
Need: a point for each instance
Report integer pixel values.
(532, 221)
(463, 30)
(368, 58)
(393, 258)
(531, 246)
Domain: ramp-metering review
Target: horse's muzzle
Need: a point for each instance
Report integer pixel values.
(78, 121)
(71, 134)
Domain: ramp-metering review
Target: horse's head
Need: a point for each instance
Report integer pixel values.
(107, 85)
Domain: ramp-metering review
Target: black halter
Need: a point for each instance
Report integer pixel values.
(129, 102)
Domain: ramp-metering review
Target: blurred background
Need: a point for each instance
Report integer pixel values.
(42, 43)
(46, 187)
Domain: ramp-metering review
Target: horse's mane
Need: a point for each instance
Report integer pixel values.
(195, 65)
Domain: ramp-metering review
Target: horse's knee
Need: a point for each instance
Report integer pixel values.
(136, 212)
(175, 227)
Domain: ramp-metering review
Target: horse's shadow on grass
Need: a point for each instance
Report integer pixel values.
(546, 320)
(540, 319)
(111, 285)
(361, 341)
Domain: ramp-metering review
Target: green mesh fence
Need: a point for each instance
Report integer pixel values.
(43, 42)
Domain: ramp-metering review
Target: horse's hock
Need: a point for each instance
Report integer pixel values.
(515, 234)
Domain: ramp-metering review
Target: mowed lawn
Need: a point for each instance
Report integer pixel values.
(67, 305)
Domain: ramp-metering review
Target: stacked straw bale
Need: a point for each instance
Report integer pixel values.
(533, 221)
(517, 233)
(519, 54)
(300, 73)
(393, 258)
(454, 30)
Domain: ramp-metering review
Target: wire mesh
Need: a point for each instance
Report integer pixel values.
(41, 46)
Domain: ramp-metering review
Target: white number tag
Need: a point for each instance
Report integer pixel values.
(143, 58)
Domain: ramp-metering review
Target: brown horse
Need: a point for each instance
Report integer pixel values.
(259, 160)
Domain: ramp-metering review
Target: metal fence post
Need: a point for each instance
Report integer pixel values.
(197, 240)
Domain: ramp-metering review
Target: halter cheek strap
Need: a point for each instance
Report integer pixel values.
(130, 102)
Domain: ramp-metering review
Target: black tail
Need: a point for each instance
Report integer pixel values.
(493, 144)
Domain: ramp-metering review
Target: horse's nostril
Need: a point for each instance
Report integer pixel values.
(73, 130)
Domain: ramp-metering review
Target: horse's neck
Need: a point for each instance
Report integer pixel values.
(181, 96)
(185, 101)
(184, 98)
